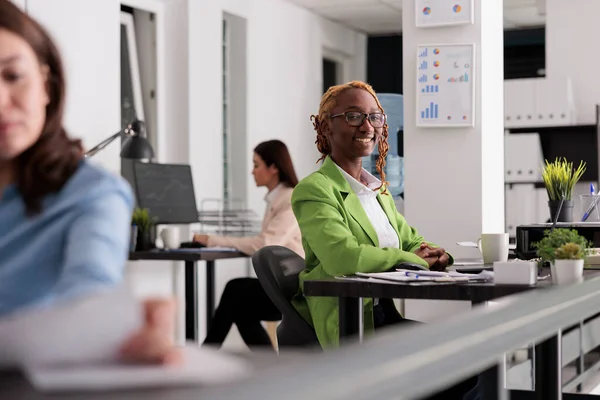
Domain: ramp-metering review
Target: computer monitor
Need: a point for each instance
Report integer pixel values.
(167, 191)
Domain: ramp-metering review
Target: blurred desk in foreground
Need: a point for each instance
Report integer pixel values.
(15, 386)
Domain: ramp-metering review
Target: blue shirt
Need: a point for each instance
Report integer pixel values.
(78, 243)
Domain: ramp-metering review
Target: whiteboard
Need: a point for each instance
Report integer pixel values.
(445, 88)
(430, 13)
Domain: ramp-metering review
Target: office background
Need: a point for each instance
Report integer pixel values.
(220, 73)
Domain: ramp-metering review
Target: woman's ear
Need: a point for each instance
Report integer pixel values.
(274, 169)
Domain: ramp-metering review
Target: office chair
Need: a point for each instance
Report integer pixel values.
(277, 269)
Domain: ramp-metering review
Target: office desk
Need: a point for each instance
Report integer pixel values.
(350, 292)
(191, 280)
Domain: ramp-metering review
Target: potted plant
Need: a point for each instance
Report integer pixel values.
(566, 250)
(144, 224)
(560, 179)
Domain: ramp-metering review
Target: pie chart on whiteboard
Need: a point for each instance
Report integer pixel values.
(457, 8)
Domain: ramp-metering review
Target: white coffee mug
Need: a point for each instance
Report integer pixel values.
(170, 238)
(493, 247)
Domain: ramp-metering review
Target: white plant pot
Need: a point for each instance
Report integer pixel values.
(567, 271)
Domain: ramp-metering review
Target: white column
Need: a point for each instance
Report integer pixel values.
(454, 181)
(454, 178)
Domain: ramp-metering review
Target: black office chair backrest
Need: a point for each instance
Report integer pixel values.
(277, 269)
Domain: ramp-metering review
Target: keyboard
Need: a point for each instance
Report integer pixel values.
(191, 245)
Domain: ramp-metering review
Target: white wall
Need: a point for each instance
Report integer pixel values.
(571, 30)
(285, 46)
(87, 34)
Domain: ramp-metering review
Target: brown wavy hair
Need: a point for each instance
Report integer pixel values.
(275, 152)
(328, 102)
(47, 165)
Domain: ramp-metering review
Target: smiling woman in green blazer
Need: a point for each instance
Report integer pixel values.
(341, 233)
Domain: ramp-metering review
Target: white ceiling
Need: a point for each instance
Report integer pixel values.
(385, 16)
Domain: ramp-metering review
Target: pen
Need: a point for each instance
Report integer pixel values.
(414, 275)
(591, 207)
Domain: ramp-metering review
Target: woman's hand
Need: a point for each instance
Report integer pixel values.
(424, 252)
(436, 257)
(153, 343)
(202, 239)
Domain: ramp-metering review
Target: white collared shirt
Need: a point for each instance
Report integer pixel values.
(386, 234)
(271, 194)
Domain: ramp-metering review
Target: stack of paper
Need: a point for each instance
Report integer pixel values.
(404, 275)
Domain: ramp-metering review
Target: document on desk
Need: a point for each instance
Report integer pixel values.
(402, 275)
(201, 367)
(483, 276)
(75, 345)
(85, 330)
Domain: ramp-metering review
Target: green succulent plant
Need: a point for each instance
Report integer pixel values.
(569, 251)
(548, 247)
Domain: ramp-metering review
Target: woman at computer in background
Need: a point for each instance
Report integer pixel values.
(244, 302)
(64, 223)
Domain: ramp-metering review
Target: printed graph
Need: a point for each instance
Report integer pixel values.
(463, 78)
(445, 95)
(430, 112)
(423, 53)
(430, 89)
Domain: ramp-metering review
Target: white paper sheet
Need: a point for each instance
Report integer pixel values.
(84, 331)
(403, 275)
(201, 367)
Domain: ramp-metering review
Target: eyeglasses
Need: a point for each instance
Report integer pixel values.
(357, 118)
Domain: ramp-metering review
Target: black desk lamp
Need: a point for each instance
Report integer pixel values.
(135, 147)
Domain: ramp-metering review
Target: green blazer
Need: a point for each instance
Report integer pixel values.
(338, 239)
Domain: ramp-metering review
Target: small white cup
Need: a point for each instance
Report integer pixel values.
(170, 238)
(493, 247)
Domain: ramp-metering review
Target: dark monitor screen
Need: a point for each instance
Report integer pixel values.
(575, 143)
(167, 191)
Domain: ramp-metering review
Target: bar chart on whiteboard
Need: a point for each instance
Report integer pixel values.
(445, 90)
